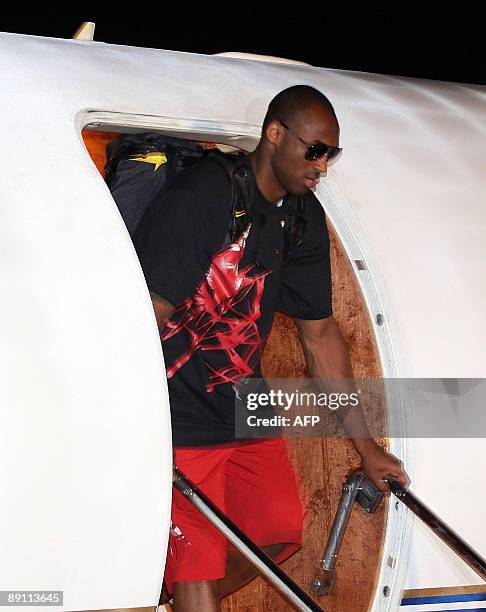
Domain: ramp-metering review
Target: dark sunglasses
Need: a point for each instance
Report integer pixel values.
(317, 150)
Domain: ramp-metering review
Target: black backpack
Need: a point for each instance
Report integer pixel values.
(140, 165)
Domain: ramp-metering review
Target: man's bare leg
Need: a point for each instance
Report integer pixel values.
(206, 594)
(196, 595)
(239, 571)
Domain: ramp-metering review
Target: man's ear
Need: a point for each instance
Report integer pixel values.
(273, 133)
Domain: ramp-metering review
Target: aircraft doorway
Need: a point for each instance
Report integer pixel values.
(320, 464)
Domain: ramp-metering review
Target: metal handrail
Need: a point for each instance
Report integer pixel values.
(264, 564)
(359, 487)
(450, 537)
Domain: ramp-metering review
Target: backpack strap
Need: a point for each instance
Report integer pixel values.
(242, 192)
(295, 222)
(243, 204)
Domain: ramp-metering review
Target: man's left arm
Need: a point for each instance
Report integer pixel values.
(327, 359)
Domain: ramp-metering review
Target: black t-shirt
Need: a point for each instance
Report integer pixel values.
(225, 298)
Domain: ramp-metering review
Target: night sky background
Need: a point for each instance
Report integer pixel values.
(441, 45)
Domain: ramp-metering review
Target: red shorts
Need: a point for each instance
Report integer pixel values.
(253, 483)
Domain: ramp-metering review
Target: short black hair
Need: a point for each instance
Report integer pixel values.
(291, 101)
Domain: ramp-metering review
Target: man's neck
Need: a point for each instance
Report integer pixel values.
(268, 185)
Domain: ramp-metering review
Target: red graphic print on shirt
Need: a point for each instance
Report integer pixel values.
(221, 315)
